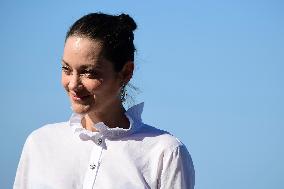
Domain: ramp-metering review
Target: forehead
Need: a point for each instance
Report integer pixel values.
(80, 51)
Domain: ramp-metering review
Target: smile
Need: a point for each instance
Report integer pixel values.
(79, 98)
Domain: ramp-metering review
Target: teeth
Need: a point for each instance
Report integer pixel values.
(75, 97)
(79, 98)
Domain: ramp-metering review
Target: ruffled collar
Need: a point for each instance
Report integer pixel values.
(133, 114)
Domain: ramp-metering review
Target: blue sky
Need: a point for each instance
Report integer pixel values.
(210, 72)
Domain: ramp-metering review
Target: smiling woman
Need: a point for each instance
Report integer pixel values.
(94, 87)
(102, 145)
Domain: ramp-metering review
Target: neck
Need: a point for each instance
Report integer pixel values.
(112, 117)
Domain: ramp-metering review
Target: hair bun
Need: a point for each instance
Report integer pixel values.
(127, 21)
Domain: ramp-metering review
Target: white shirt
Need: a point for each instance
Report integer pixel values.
(67, 156)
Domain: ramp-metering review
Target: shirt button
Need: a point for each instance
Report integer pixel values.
(92, 166)
(100, 141)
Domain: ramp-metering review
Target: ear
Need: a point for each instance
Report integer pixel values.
(127, 72)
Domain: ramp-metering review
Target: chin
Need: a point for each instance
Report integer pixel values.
(81, 109)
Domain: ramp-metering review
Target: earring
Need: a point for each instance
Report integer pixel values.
(123, 93)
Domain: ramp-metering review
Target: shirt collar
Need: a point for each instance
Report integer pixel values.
(133, 114)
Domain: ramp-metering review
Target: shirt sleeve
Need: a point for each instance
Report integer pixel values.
(177, 169)
(21, 179)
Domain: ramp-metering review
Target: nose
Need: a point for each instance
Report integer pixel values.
(74, 83)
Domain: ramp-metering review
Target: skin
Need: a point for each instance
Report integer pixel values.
(92, 84)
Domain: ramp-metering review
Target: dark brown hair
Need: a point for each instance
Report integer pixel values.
(114, 32)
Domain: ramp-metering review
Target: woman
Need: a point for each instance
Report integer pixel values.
(102, 145)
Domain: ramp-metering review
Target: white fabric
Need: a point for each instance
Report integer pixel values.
(67, 156)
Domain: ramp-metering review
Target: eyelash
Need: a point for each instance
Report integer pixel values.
(90, 73)
(87, 73)
(66, 70)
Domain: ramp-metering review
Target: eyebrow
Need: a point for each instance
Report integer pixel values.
(64, 62)
(85, 65)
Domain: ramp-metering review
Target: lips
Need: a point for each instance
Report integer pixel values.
(77, 97)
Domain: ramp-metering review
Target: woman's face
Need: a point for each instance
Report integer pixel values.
(89, 79)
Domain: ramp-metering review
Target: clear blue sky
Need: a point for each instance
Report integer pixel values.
(210, 72)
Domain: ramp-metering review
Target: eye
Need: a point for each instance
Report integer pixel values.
(90, 73)
(66, 70)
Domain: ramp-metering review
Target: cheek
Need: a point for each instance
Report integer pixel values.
(64, 82)
(93, 86)
(110, 89)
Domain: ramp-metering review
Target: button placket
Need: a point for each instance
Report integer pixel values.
(94, 164)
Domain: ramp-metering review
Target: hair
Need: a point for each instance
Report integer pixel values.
(114, 32)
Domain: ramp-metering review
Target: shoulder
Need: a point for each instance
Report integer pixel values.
(158, 138)
(45, 138)
(174, 163)
(49, 131)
